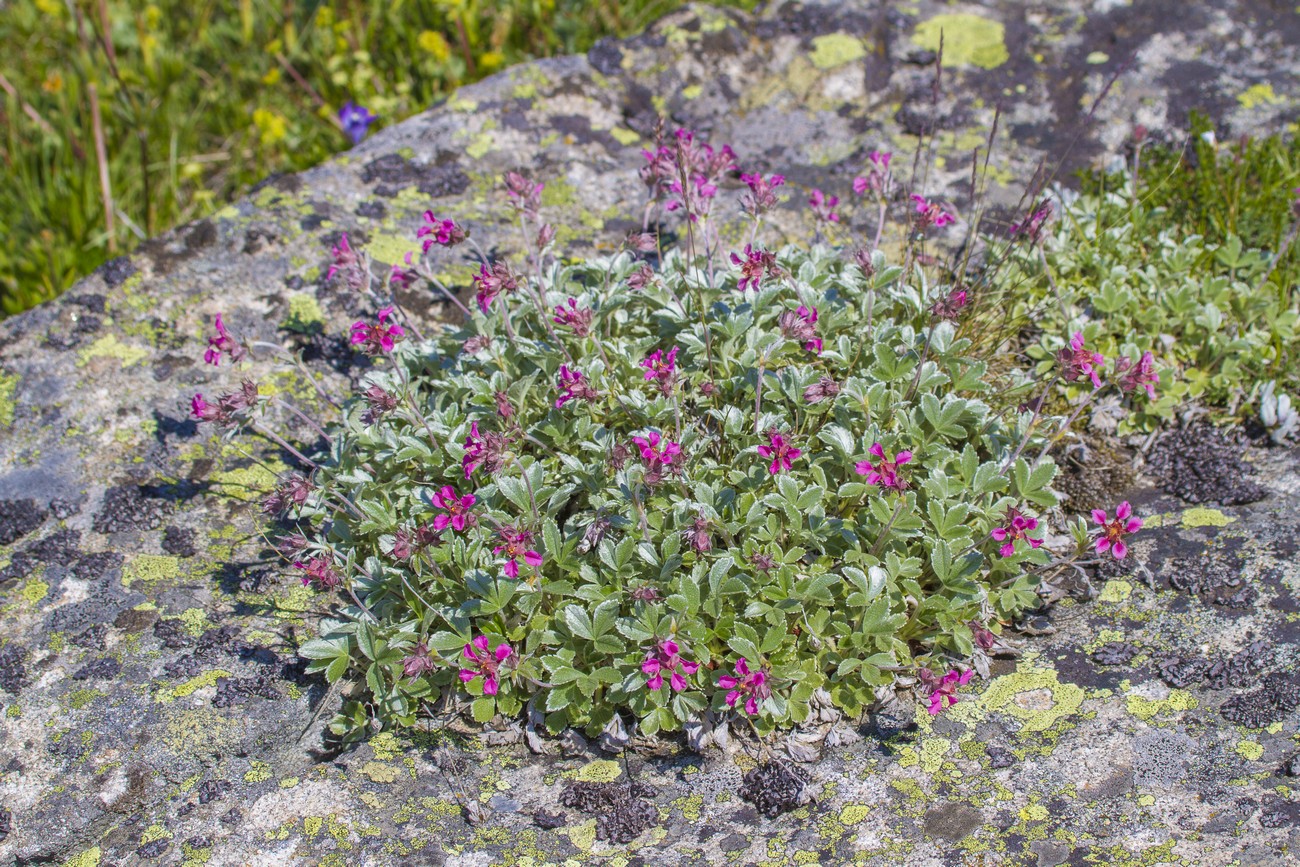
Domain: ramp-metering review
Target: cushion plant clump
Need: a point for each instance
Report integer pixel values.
(757, 485)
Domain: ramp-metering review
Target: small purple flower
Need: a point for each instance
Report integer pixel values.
(666, 657)
(492, 280)
(574, 386)
(1113, 532)
(801, 325)
(1016, 527)
(699, 534)
(377, 338)
(661, 368)
(579, 319)
(456, 508)
(321, 572)
(514, 548)
(984, 638)
(752, 268)
(1078, 361)
(642, 242)
(504, 409)
(378, 403)
(525, 195)
(640, 278)
(885, 471)
(780, 451)
(485, 664)
(761, 197)
(823, 206)
(862, 258)
(823, 389)
(443, 232)
(950, 305)
(1140, 374)
(1033, 226)
(747, 684)
(403, 277)
(222, 343)
(418, 662)
(930, 213)
(877, 177)
(943, 691)
(356, 121)
(658, 461)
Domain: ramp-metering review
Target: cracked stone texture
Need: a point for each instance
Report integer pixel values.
(152, 700)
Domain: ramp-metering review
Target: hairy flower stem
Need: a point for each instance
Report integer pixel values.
(640, 511)
(758, 397)
(1038, 410)
(1065, 426)
(1047, 272)
(415, 408)
(880, 223)
(280, 441)
(284, 404)
(301, 368)
(437, 284)
(884, 531)
(920, 365)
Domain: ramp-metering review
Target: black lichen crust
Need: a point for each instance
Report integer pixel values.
(1202, 464)
(1271, 703)
(774, 787)
(622, 810)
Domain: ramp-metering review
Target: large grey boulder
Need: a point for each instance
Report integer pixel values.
(152, 700)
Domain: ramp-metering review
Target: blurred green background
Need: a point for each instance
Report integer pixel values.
(189, 102)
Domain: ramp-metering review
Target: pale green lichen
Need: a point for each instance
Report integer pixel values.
(1257, 95)
(34, 591)
(207, 678)
(1201, 517)
(305, 314)
(968, 40)
(836, 49)
(599, 771)
(150, 569)
(109, 346)
(8, 385)
(1033, 695)
(1249, 750)
(1116, 591)
(852, 814)
(89, 858)
(1144, 708)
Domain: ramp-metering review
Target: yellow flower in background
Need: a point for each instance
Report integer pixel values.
(272, 76)
(53, 83)
(271, 127)
(491, 60)
(434, 43)
(50, 7)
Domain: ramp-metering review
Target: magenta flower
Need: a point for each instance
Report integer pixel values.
(456, 508)
(515, 548)
(444, 232)
(1077, 361)
(319, 571)
(930, 213)
(661, 368)
(699, 535)
(574, 386)
(875, 179)
(222, 343)
(492, 280)
(752, 268)
(474, 450)
(228, 405)
(574, 317)
(658, 461)
(800, 325)
(1016, 527)
(780, 451)
(943, 691)
(751, 685)
(1142, 373)
(485, 664)
(347, 261)
(204, 411)
(1113, 532)
(823, 206)
(378, 403)
(1033, 226)
(378, 338)
(418, 662)
(885, 472)
(665, 658)
(525, 195)
(761, 197)
(823, 389)
(403, 277)
(949, 306)
(640, 278)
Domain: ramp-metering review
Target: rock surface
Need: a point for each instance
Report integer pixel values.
(152, 701)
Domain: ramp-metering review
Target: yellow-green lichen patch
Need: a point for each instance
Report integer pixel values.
(599, 771)
(625, 137)
(258, 772)
(1250, 750)
(1200, 517)
(1145, 708)
(853, 814)
(79, 699)
(200, 732)
(968, 40)
(480, 145)
(1257, 95)
(1116, 591)
(391, 249)
(89, 858)
(305, 314)
(378, 772)
(1033, 695)
(582, 836)
(207, 678)
(8, 385)
(836, 49)
(109, 346)
(386, 746)
(150, 569)
(34, 591)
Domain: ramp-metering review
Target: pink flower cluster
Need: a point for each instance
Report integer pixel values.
(661, 369)
(456, 509)
(1114, 531)
(884, 471)
(780, 451)
(1016, 527)
(1077, 361)
(930, 213)
(574, 386)
(492, 280)
(485, 663)
(222, 343)
(579, 319)
(801, 325)
(658, 461)
(444, 232)
(378, 337)
(943, 690)
(666, 657)
(752, 686)
(753, 267)
(1137, 374)
(823, 206)
(514, 547)
(877, 177)
(761, 197)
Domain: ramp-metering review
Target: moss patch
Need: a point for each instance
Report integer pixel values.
(968, 40)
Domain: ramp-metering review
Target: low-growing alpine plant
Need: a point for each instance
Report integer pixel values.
(750, 483)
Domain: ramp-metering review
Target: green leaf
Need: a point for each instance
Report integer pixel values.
(484, 709)
(578, 621)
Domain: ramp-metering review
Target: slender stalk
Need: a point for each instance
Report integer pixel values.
(280, 441)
